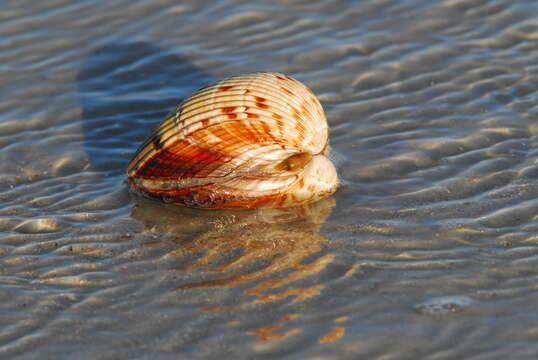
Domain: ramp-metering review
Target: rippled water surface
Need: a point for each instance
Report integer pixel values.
(429, 250)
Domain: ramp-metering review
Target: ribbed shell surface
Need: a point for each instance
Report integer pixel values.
(245, 142)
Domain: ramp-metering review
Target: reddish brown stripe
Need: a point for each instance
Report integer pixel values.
(280, 77)
(253, 116)
(289, 92)
(266, 128)
(232, 116)
(300, 130)
(277, 116)
(228, 109)
(269, 133)
(260, 99)
(262, 105)
(225, 88)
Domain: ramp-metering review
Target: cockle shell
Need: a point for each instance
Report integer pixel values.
(249, 141)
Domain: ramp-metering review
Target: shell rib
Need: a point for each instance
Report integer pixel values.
(249, 141)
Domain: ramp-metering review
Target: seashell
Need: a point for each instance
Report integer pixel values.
(250, 141)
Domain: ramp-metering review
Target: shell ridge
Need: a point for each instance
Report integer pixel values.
(168, 141)
(237, 100)
(228, 186)
(310, 131)
(302, 90)
(269, 88)
(208, 127)
(237, 162)
(244, 107)
(276, 107)
(242, 88)
(166, 152)
(243, 162)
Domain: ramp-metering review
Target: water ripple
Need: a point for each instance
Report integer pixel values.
(430, 242)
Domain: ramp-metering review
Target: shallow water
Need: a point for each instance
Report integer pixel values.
(429, 250)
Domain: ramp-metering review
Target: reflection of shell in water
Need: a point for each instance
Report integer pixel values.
(268, 242)
(250, 141)
(185, 222)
